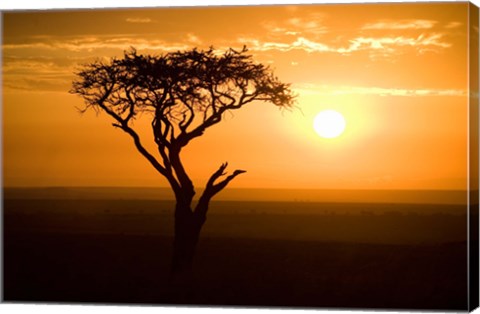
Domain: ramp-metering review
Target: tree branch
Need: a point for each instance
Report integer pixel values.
(212, 188)
(123, 124)
(188, 190)
(153, 161)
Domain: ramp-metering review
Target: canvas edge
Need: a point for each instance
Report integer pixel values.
(1, 162)
(473, 150)
(473, 155)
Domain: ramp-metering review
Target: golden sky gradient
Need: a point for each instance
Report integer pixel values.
(397, 72)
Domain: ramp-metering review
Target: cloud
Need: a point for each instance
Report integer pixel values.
(312, 89)
(140, 20)
(89, 44)
(310, 46)
(400, 25)
(305, 24)
(385, 45)
(191, 38)
(453, 25)
(38, 73)
(388, 43)
(311, 25)
(38, 84)
(301, 43)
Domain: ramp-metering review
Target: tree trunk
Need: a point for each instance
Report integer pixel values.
(187, 232)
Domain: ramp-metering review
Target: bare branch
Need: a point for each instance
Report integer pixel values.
(213, 187)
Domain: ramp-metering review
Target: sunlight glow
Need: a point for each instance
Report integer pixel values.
(329, 123)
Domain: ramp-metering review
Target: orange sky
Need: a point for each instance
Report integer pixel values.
(397, 72)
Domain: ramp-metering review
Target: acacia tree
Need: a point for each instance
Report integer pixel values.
(183, 93)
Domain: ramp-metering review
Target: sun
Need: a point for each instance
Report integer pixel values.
(329, 123)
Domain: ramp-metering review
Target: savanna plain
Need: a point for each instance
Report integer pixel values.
(114, 246)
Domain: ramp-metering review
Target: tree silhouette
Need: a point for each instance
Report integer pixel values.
(183, 93)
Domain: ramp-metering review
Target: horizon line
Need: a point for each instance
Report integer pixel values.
(234, 188)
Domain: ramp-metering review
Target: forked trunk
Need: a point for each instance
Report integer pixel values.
(188, 224)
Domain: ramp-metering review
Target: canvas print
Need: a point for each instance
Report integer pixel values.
(312, 156)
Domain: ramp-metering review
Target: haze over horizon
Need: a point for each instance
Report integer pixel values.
(458, 197)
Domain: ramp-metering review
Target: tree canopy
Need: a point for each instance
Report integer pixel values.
(183, 93)
(186, 91)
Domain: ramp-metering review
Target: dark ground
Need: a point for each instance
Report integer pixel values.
(250, 254)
